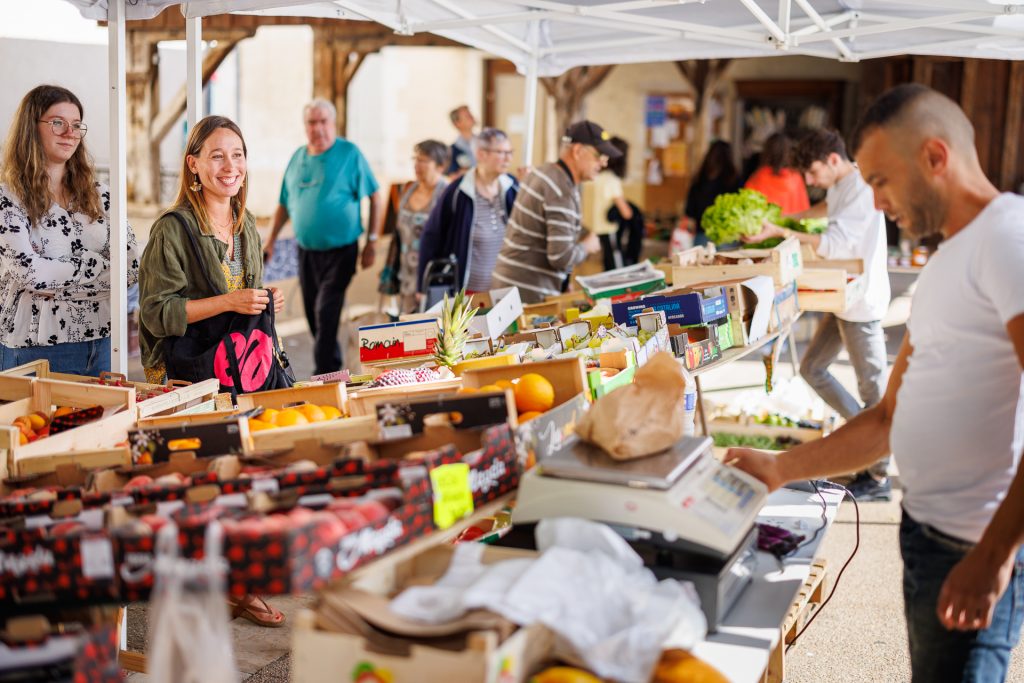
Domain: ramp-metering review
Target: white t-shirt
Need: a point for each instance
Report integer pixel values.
(959, 423)
(856, 230)
(598, 198)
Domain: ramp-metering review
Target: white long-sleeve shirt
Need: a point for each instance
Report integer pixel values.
(856, 230)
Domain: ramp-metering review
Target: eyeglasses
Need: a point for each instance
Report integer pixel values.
(61, 127)
(603, 158)
(499, 152)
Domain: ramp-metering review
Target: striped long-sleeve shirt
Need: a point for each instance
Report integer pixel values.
(540, 247)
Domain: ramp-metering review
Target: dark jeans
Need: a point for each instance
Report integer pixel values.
(936, 654)
(88, 358)
(324, 276)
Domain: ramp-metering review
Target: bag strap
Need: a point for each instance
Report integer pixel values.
(195, 250)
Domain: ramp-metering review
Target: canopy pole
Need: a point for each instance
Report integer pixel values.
(530, 96)
(194, 69)
(118, 217)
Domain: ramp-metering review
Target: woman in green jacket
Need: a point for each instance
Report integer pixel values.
(173, 291)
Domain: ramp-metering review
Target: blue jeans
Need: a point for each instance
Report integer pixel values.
(938, 655)
(75, 358)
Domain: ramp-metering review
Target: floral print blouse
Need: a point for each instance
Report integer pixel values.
(55, 275)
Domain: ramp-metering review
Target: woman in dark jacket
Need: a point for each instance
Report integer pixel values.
(468, 221)
(717, 175)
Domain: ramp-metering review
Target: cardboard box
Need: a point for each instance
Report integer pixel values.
(783, 263)
(397, 341)
(545, 434)
(601, 385)
(831, 286)
(34, 650)
(749, 302)
(318, 655)
(681, 307)
(701, 353)
(622, 284)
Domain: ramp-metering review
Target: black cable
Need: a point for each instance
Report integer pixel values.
(824, 516)
(839, 576)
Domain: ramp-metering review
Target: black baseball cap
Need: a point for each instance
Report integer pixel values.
(589, 133)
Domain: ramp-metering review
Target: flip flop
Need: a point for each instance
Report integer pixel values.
(257, 610)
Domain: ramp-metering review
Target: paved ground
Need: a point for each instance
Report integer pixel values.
(859, 637)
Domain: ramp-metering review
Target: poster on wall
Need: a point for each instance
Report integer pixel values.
(655, 112)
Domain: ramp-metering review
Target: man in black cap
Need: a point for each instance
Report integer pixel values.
(542, 242)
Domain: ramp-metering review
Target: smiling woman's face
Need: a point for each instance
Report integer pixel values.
(220, 164)
(59, 148)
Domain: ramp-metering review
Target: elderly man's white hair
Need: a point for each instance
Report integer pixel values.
(320, 103)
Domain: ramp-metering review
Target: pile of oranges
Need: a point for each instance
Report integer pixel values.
(533, 393)
(307, 413)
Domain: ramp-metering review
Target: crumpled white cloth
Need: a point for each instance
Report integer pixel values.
(588, 586)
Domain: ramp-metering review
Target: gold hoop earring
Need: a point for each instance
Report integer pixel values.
(196, 186)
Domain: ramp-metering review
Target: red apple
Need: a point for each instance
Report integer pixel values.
(154, 522)
(66, 528)
(353, 519)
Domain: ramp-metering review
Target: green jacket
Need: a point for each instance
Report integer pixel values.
(169, 276)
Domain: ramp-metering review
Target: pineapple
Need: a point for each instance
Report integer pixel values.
(455, 316)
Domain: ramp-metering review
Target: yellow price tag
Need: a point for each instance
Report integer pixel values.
(453, 497)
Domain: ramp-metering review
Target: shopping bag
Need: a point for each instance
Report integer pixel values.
(189, 635)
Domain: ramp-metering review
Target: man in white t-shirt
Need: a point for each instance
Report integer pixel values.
(856, 230)
(953, 412)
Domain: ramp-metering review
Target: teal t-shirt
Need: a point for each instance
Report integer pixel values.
(322, 195)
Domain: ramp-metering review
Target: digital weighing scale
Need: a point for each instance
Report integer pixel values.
(686, 514)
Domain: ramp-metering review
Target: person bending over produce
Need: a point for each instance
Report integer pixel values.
(856, 230)
(953, 420)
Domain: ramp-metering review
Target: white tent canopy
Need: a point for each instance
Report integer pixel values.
(589, 32)
(549, 37)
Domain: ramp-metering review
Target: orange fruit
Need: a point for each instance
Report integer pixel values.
(534, 393)
(260, 425)
(504, 384)
(490, 387)
(529, 415)
(289, 417)
(37, 421)
(269, 415)
(467, 390)
(62, 411)
(313, 413)
(22, 439)
(330, 412)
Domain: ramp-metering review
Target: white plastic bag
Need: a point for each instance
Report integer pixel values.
(190, 640)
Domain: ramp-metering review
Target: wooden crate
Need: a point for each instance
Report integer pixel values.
(27, 395)
(782, 263)
(321, 649)
(318, 394)
(830, 286)
(748, 427)
(310, 438)
(102, 458)
(185, 396)
(365, 401)
(808, 601)
(567, 376)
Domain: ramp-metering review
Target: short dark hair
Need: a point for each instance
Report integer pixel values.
(454, 113)
(618, 164)
(776, 152)
(437, 151)
(817, 145)
(887, 107)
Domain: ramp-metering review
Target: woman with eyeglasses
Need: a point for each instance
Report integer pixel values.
(54, 241)
(414, 207)
(469, 219)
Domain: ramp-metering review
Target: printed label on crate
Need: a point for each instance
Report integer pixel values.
(97, 558)
(367, 542)
(484, 481)
(453, 493)
(397, 340)
(20, 564)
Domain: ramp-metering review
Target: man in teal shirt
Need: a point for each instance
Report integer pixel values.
(323, 186)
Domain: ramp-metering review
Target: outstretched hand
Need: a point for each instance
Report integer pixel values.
(759, 464)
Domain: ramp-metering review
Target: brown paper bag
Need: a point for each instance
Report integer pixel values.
(643, 418)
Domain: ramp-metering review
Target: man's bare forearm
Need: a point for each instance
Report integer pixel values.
(855, 446)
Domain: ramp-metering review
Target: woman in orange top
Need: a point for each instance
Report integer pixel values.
(776, 181)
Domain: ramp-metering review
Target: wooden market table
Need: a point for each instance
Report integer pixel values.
(775, 340)
(750, 645)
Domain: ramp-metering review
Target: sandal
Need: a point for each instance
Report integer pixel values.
(257, 610)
